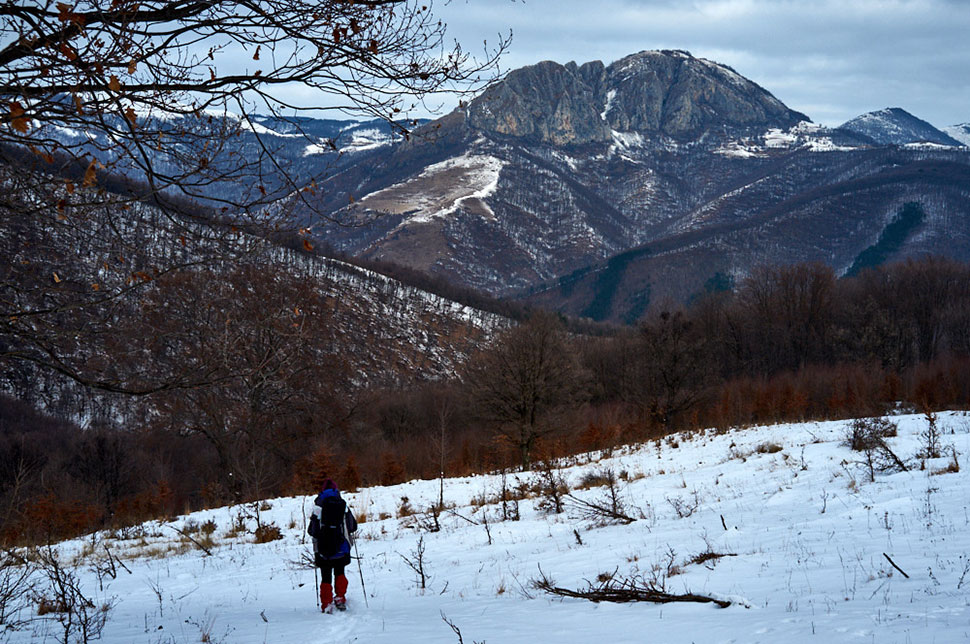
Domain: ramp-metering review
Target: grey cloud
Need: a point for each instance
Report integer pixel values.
(831, 60)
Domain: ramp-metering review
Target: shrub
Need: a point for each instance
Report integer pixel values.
(768, 448)
(598, 479)
(47, 606)
(868, 433)
(405, 509)
(268, 532)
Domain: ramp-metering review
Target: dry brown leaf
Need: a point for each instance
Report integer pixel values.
(90, 175)
(17, 119)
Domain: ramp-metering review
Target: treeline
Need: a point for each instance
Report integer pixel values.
(280, 410)
(790, 343)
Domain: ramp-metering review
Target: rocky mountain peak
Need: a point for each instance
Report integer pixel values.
(653, 93)
(896, 126)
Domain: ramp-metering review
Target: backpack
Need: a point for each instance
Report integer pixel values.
(332, 531)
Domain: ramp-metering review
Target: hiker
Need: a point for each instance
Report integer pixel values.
(332, 526)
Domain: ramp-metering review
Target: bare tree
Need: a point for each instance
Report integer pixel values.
(673, 368)
(110, 104)
(121, 69)
(278, 386)
(790, 313)
(528, 374)
(444, 411)
(16, 586)
(81, 618)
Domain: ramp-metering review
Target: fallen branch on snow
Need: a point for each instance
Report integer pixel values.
(201, 547)
(622, 591)
(610, 510)
(894, 565)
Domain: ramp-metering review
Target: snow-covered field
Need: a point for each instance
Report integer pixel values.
(807, 530)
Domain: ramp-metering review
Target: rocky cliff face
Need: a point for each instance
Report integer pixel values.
(653, 94)
(546, 102)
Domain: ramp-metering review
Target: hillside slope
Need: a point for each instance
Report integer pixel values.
(380, 330)
(803, 533)
(800, 211)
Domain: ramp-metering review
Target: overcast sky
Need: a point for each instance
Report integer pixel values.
(831, 59)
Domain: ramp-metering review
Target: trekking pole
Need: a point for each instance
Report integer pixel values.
(361, 571)
(316, 586)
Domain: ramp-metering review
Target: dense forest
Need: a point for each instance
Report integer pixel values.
(280, 410)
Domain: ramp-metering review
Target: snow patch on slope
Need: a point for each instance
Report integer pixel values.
(360, 141)
(441, 189)
(368, 139)
(803, 135)
(610, 95)
(959, 132)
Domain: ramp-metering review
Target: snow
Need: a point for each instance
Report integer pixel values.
(628, 140)
(959, 132)
(367, 139)
(735, 78)
(440, 189)
(262, 130)
(805, 529)
(927, 145)
(624, 142)
(316, 148)
(610, 95)
(739, 150)
(776, 138)
(825, 144)
(360, 141)
(803, 135)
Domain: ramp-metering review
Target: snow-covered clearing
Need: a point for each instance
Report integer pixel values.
(808, 532)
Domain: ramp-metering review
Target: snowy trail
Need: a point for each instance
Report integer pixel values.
(806, 528)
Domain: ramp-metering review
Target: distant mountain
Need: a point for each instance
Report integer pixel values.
(601, 190)
(306, 148)
(959, 132)
(557, 166)
(896, 126)
(852, 210)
